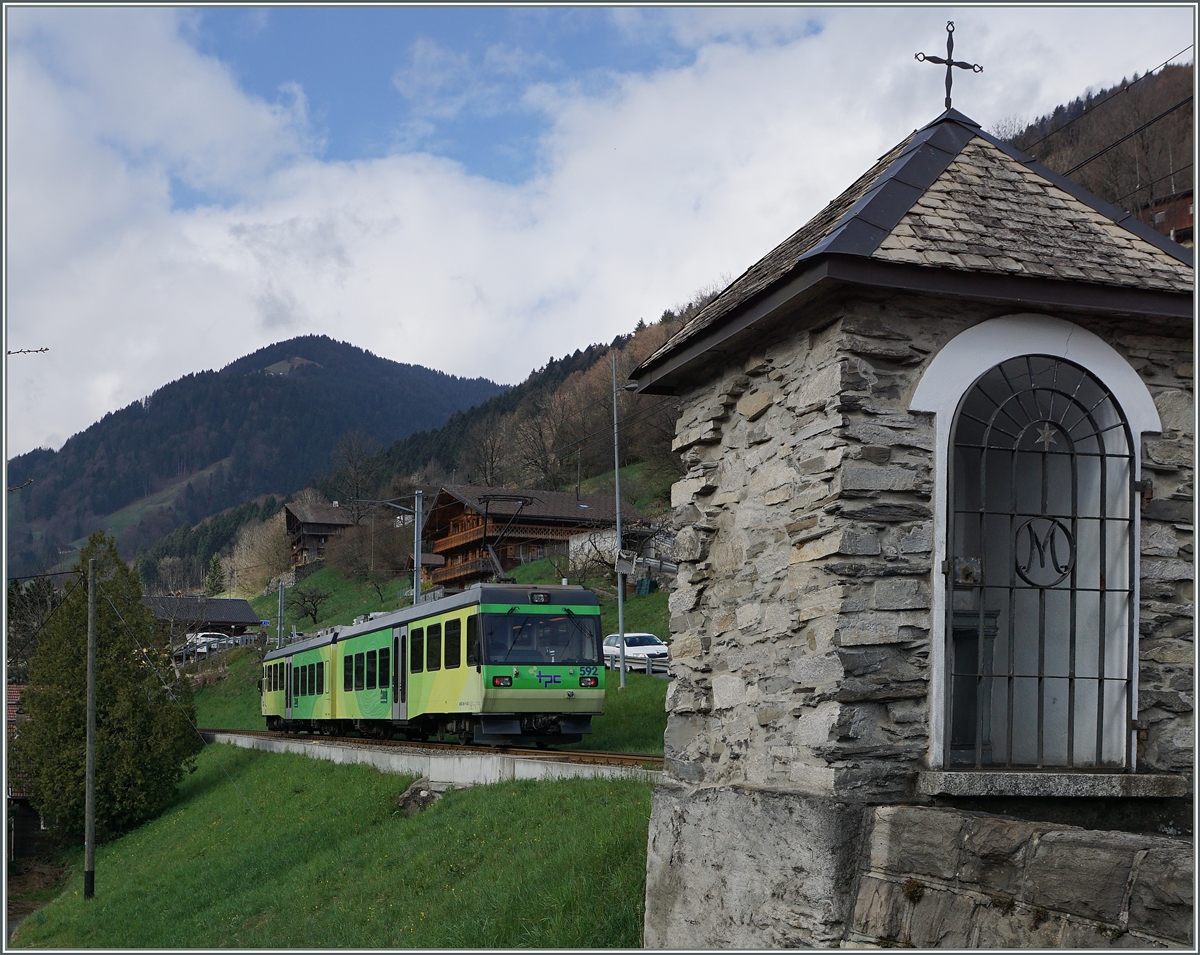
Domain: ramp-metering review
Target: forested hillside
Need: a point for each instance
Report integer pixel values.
(267, 423)
(1129, 171)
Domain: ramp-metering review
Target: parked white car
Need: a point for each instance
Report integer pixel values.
(638, 646)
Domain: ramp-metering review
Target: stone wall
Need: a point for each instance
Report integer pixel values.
(939, 878)
(801, 616)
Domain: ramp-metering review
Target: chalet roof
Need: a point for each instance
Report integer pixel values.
(319, 514)
(211, 610)
(954, 203)
(545, 506)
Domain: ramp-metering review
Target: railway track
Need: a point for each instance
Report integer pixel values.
(645, 760)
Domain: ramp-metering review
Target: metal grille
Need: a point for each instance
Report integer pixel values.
(1040, 576)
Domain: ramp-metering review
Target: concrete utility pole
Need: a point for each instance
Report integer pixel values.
(617, 482)
(279, 629)
(89, 810)
(417, 503)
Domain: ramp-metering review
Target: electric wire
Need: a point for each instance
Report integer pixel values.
(1111, 96)
(1153, 183)
(1129, 135)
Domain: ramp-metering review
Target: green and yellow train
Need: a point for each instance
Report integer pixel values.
(497, 663)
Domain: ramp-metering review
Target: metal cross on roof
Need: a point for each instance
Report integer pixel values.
(950, 61)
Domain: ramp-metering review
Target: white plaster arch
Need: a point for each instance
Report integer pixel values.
(954, 369)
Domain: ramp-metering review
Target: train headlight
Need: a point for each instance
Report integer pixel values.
(502, 681)
(589, 681)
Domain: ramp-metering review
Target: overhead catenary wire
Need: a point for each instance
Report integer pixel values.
(1111, 96)
(1129, 135)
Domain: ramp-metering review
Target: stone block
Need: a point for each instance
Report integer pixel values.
(941, 919)
(993, 854)
(682, 492)
(916, 841)
(1174, 454)
(1175, 410)
(1159, 568)
(727, 691)
(919, 540)
(1080, 872)
(863, 477)
(684, 599)
(900, 594)
(879, 910)
(1160, 902)
(817, 389)
(753, 404)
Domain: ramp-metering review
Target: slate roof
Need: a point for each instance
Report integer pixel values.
(952, 197)
(548, 506)
(319, 514)
(203, 610)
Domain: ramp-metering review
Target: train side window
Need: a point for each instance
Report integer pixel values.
(321, 678)
(385, 668)
(348, 672)
(305, 681)
(270, 677)
(453, 644)
(312, 679)
(295, 682)
(370, 669)
(433, 647)
(277, 678)
(359, 670)
(473, 640)
(416, 650)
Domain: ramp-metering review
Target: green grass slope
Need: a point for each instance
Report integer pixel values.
(306, 854)
(233, 702)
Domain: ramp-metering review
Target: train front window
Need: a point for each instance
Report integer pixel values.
(557, 638)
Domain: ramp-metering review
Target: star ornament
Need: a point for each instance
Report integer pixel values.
(1046, 437)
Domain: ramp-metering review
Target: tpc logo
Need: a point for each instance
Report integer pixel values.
(548, 679)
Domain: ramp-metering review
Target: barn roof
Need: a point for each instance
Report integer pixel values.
(547, 506)
(319, 514)
(203, 610)
(951, 209)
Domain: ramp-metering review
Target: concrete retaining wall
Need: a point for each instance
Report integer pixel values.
(467, 769)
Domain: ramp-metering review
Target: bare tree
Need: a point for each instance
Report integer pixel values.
(261, 551)
(487, 450)
(357, 476)
(306, 600)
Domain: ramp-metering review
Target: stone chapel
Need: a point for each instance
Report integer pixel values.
(932, 629)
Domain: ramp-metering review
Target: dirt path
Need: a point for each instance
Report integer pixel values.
(32, 883)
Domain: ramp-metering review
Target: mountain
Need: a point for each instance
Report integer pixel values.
(265, 423)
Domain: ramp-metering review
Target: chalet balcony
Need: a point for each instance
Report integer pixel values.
(517, 532)
(468, 568)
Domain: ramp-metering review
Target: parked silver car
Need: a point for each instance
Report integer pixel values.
(638, 646)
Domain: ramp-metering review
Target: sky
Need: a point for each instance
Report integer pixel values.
(473, 189)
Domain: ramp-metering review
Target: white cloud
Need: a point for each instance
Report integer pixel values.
(644, 193)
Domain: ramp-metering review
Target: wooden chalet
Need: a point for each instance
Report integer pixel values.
(309, 527)
(474, 528)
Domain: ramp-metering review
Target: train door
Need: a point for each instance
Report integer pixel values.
(287, 691)
(400, 673)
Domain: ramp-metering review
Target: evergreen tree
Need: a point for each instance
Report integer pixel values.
(214, 583)
(145, 742)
